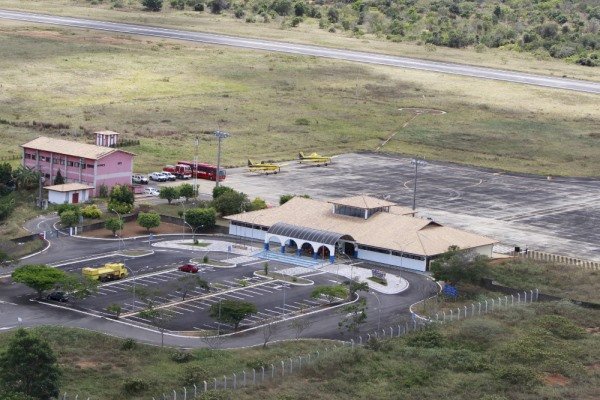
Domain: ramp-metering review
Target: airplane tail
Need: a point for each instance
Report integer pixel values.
(301, 155)
(250, 162)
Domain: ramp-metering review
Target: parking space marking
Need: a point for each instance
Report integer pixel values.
(108, 290)
(233, 296)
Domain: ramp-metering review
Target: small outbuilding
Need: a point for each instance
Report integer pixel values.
(71, 193)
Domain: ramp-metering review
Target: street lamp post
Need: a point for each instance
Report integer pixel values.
(121, 243)
(133, 287)
(416, 162)
(220, 135)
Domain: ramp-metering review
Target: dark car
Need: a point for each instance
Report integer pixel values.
(58, 296)
(189, 268)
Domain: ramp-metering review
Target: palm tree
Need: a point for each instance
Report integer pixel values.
(25, 177)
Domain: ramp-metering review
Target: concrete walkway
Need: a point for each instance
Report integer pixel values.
(213, 245)
(395, 285)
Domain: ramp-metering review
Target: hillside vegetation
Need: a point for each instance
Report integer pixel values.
(548, 28)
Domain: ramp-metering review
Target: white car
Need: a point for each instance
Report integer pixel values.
(151, 191)
(169, 176)
(158, 176)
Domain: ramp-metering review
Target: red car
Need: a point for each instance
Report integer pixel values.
(188, 268)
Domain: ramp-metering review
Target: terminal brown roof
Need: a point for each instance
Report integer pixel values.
(68, 147)
(384, 230)
(363, 201)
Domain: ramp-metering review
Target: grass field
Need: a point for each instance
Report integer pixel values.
(545, 350)
(308, 32)
(167, 93)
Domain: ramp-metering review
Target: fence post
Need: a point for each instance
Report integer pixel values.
(486, 306)
(291, 366)
(451, 315)
(184, 393)
(376, 335)
(174, 395)
(244, 377)
(398, 330)
(493, 304)
(512, 299)
(368, 339)
(309, 353)
(531, 296)
(359, 342)
(525, 297)
(437, 317)
(225, 381)
(205, 386)
(234, 381)
(506, 301)
(65, 396)
(215, 383)
(466, 312)
(282, 368)
(472, 309)
(537, 293)
(444, 314)
(195, 391)
(479, 309)
(272, 371)
(351, 342)
(518, 298)
(300, 359)
(391, 332)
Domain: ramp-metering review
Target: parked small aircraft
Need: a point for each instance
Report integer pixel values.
(263, 167)
(313, 158)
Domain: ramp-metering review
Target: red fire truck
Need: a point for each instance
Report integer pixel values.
(204, 171)
(181, 171)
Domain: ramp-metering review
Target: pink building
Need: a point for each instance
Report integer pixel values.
(79, 162)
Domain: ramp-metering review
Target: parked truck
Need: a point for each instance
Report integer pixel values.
(180, 171)
(108, 272)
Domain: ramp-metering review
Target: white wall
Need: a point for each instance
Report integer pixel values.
(246, 232)
(484, 250)
(389, 259)
(58, 197)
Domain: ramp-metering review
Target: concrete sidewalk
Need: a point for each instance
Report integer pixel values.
(395, 285)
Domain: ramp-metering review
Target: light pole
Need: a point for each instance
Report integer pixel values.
(220, 135)
(133, 287)
(378, 310)
(416, 163)
(122, 223)
(219, 319)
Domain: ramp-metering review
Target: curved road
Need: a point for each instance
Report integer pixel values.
(347, 55)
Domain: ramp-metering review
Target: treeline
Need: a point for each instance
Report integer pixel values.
(565, 29)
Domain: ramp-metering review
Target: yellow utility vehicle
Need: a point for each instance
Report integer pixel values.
(109, 272)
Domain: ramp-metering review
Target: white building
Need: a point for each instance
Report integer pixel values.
(71, 193)
(359, 227)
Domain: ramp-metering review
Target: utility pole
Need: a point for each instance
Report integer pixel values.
(416, 162)
(220, 135)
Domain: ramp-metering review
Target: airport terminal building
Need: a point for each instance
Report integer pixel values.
(359, 227)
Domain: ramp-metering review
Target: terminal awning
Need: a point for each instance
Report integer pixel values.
(308, 234)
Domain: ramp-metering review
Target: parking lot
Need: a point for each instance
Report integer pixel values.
(159, 283)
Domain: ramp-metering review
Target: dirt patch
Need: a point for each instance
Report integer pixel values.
(87, 364)
(131, 229)
(593, 331)
(556, 380)
(416, 110)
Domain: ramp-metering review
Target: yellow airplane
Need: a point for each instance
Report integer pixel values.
(313, 158)
(263, 167)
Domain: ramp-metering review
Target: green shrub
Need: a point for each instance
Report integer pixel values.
(561, 327)
(429, 337)
(194, 374)
(134, 386)
(61, 208)
(128, 344)
(480, 331)
(181, 357)
(516, 375)
(91, 212)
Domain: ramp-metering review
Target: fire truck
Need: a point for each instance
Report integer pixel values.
(180, 171)
(204, 171)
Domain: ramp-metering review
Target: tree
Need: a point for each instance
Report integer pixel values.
(201, 217)
(456, 265)
(79, 286)
(5, 173)
(148, 220)
(216, 6)
(219, 190)
(7, 204)
(69, 218)
(299, 325)
(114, 224)
(152, 5)
(39, 277)
(354, 316)
(284, 198)
(159, 317)
(331, 293)
(189, 282)
(29, 366)
(232, 311)
(257, 204)
(25, 177)
(268, 329)
(114, 309)
(186, 190)
(355, 286)
(121, 194)
(169, 193)
(59, 180)
(5, 258)
(231, 202)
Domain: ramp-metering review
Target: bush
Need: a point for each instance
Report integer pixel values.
(103, 191)
(480, 331)
(60, 209)
(199, 7)
(429, 337)
(296, 21)
(128, 344)
(517, 375)
(181, 357)
(69, 218)
(561, 327)
(121, 208)
(194, 374)
(134, 386)
(91, 212)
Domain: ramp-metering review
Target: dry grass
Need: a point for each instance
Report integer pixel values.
(166, 93)
(308, 33)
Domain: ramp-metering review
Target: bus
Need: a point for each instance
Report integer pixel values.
(205, 171)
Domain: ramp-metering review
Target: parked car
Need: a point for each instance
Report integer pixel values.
(139, 179)
(169, 176)
(189, 268)
(58, 296)
(158, 177)
(151, 191)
